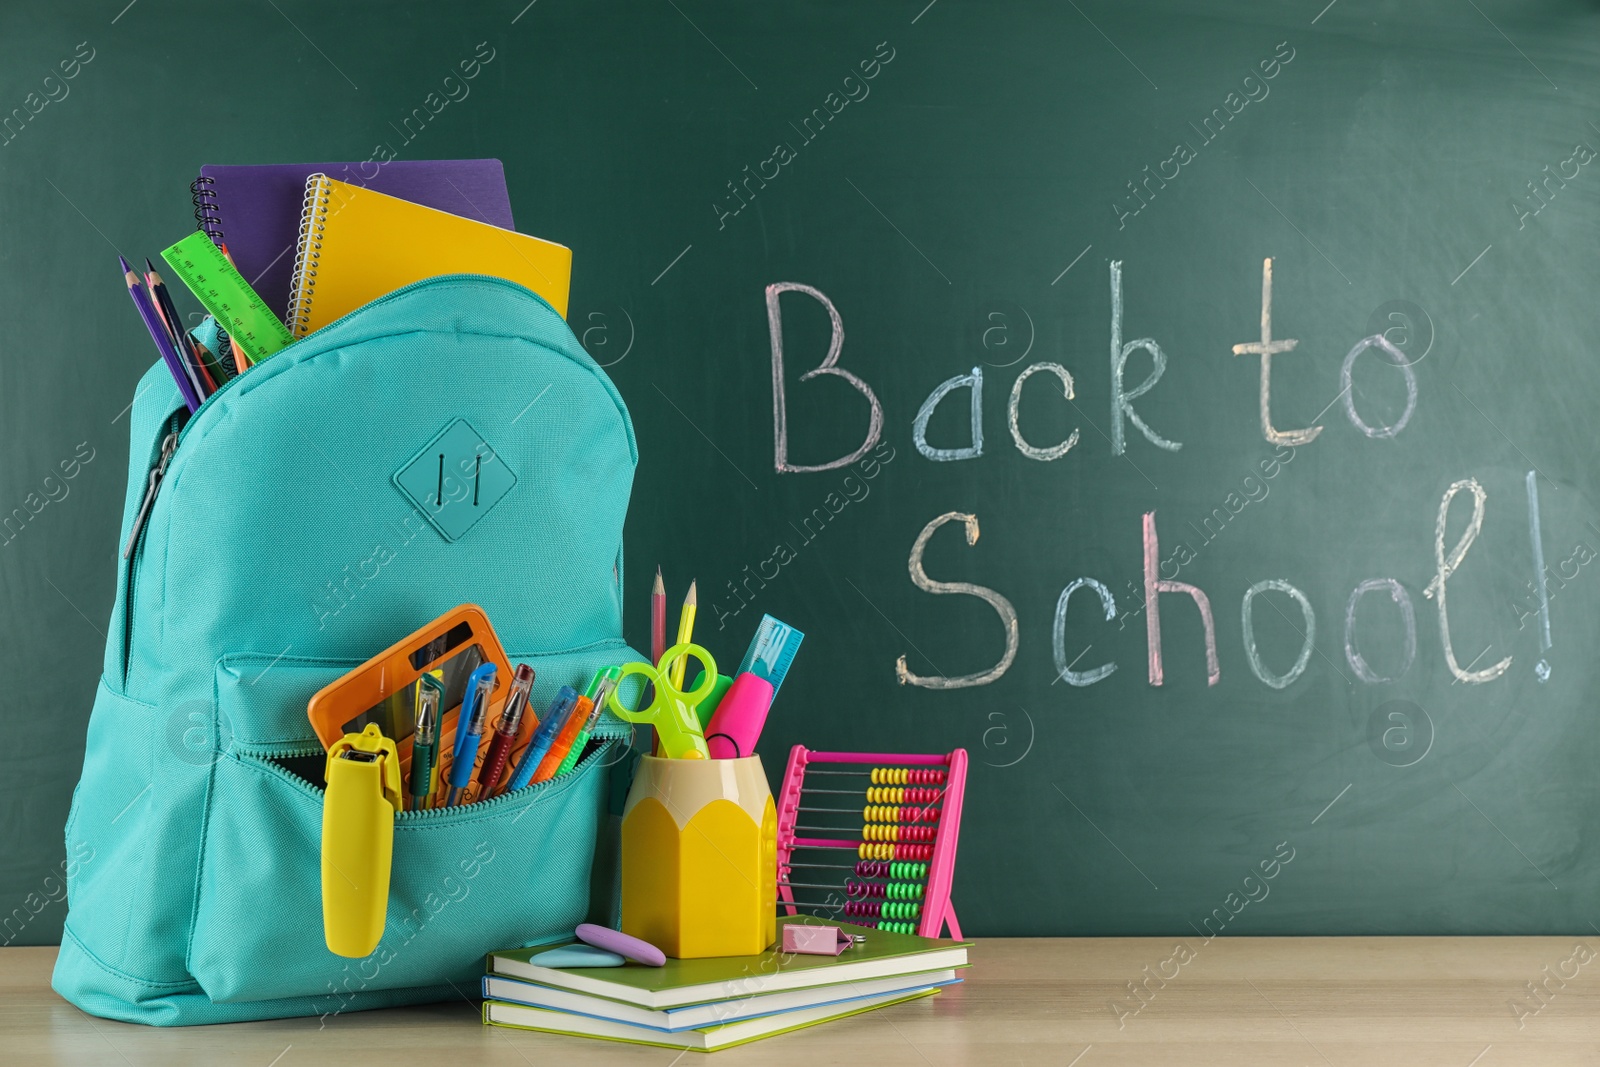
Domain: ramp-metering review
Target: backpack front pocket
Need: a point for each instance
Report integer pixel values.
(464, 880)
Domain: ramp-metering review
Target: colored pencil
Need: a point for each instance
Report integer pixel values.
(204, 384)
(691, 604)
(658, 619)
(646, 740)
(158, 334)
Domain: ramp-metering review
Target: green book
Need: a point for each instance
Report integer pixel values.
(707, 1039)
(682, 982)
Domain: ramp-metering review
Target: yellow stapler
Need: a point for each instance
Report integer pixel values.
(358, 840)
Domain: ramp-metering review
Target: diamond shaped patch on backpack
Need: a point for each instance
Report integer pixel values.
(456, 479)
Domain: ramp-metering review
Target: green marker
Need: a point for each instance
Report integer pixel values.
(600, 687)
(708, 706)
(219, 286)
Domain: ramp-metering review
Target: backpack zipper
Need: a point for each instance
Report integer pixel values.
(412, 816)
(158, 471)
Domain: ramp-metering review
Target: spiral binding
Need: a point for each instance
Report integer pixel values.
(313, 222)
(207, 217)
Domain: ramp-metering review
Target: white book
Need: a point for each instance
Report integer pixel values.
(714, 1013)
(706, 1039)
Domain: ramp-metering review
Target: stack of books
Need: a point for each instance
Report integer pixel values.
(709, 1004)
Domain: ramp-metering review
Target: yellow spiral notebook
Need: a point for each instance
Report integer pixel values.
(357, 245)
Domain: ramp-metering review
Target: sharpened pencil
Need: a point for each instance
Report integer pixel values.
(691, 604)
(658, 619)
(158, 333)
(204, 384)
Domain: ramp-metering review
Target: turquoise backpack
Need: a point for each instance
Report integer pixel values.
(289, 539)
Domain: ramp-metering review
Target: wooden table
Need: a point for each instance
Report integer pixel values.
(1363, 1002)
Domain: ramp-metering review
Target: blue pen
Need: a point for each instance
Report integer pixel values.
(560, 708)
(469, 728)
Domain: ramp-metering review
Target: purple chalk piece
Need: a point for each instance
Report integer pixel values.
(623, 945)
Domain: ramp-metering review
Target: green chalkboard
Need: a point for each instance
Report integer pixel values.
(944, 191)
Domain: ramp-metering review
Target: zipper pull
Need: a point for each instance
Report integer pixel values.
(169, 445)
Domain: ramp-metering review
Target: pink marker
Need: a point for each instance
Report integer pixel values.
(736, 727)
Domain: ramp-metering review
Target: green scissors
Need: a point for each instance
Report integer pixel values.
(671, 710)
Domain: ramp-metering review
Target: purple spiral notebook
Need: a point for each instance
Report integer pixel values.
(256, 209)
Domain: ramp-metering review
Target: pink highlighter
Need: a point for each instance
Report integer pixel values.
(736, 726)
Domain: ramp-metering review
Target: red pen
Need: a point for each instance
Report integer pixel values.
(505, 731)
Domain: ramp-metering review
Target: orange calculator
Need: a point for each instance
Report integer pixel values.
(383, 690)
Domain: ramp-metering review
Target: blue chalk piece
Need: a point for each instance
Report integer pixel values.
(577, 956)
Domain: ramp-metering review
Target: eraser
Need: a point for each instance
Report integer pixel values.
(577, 956)
(614, 941)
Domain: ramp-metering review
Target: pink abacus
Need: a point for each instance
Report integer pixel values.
(904, 836)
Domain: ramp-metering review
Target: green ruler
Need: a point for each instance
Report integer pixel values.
(223, 291)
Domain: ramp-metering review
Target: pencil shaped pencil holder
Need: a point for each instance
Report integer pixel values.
(699, 857)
